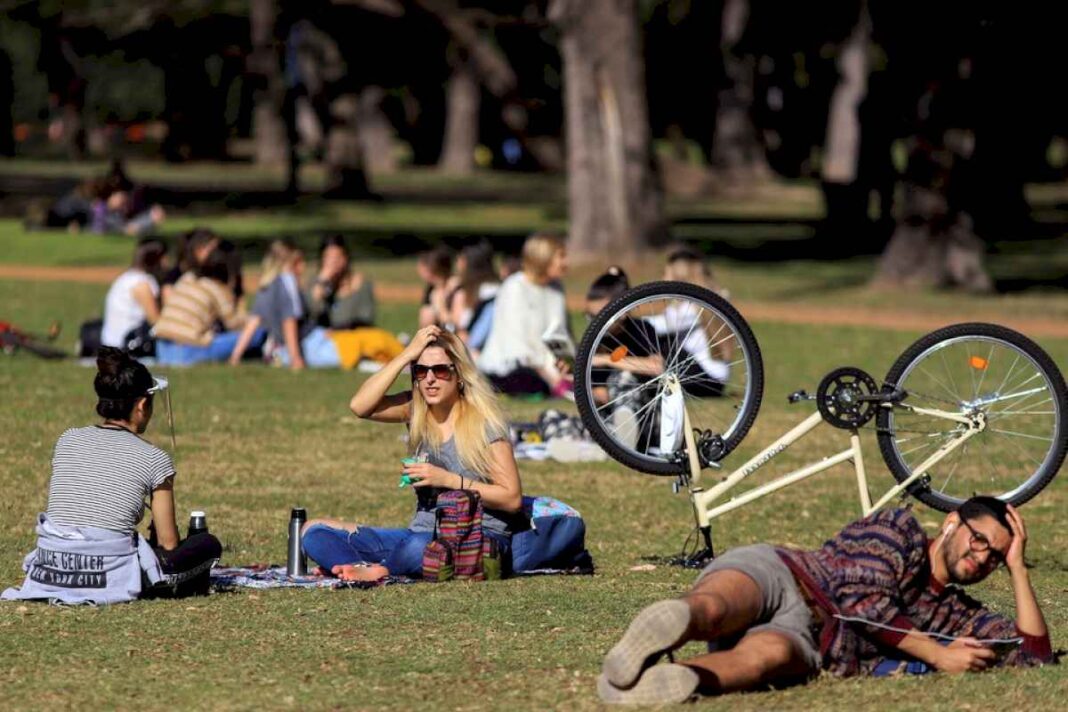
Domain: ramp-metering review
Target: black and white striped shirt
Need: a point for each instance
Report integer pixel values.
(101, 476)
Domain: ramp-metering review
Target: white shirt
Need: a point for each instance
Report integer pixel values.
(683, 319)
(523, 311)
(122, 312)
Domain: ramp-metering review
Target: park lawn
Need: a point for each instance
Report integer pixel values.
(255, 441)
(812, 283)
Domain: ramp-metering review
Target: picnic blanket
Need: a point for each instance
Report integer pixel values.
(225, 578)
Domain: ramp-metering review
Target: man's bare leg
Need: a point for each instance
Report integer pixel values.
(723, 603)
(758, 659)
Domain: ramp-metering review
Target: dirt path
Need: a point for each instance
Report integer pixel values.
(756, 311)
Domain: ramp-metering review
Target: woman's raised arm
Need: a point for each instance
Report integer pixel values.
(371, 400)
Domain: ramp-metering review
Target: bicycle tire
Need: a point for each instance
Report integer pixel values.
(972, 341)
(719, 308)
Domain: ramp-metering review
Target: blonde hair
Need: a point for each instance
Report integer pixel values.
(538, 252)
(281, 254)
(480, 414)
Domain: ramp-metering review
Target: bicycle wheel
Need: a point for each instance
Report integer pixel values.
(632, 348)
(969, 369)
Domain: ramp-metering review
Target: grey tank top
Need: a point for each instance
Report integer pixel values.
(447, 458)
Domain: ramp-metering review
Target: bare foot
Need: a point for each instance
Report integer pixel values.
(360, 572)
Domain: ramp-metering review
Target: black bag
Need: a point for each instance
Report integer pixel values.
(139, 341)
(89, 338)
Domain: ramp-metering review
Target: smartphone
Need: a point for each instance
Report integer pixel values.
(561, 348)
(1003, 647)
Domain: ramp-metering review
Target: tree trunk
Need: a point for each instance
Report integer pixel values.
(615, 200)
(345, 177)
(933, 244)
(375, 132)
(845, 191)
(737, 151)
(268, 128)
(463, 100)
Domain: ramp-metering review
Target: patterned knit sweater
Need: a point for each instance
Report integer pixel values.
(877, 569)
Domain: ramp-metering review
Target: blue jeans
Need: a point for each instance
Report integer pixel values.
(317, 348)
(169, 353)
(399, 550)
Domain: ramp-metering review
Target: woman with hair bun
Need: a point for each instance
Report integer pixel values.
(101, 477)
(453, 420)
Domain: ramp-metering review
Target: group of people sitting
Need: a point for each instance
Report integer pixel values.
(506, 316)
(109, 204)
(194, 311)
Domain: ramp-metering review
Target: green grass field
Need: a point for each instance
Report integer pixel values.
(252, 442)
(255, 441)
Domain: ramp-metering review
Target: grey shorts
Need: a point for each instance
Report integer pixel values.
(782, 610)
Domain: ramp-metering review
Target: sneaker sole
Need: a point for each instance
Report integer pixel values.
(661, 684)
(657, 629)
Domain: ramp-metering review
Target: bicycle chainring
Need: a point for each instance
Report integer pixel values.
(842, 398)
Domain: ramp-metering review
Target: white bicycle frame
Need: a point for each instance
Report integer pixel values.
(704, 500)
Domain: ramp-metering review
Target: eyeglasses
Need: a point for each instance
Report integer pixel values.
(442, 371)
(979, 543)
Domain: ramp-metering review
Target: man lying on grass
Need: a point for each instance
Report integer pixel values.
(874, 597)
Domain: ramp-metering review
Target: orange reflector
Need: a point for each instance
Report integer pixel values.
(978, 363)
(619, 354)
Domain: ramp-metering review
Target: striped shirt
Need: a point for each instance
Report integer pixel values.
(877, 569)
(101, 476)
(192, 308)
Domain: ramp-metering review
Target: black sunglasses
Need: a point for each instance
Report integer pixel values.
(442, 371)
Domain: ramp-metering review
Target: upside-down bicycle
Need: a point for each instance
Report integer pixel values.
(669, 379)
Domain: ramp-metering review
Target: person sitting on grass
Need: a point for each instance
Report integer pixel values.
(193, 249)
(435, 269)
(340, 298)
(279, 307)
(875, 599)
(616, 380)
(294, 339)
(132, 301)
(185, 333)
(454, 420)
(101, 476)
(528, 305)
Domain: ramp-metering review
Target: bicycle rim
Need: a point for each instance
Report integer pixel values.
(1021, 447)
(701, 342)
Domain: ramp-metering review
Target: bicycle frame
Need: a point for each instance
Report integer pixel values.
(704, 499)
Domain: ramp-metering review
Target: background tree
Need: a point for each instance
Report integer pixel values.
(614, 199)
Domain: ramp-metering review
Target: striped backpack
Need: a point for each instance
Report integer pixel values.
(459, 550)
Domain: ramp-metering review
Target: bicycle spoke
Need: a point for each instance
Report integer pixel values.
(989, 360)
(1021, 435)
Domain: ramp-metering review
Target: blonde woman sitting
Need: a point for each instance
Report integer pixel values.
(454, 421)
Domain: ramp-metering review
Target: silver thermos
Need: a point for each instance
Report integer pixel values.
(296, 565)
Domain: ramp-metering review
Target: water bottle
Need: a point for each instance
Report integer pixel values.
(296, 565)
(198, 523)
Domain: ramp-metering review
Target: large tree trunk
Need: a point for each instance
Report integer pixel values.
(345, 177)
(934, 244)
(268, 127)
(737, 151)
(845, 191)
(375, 132)
(463, 100)
(615, 201)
